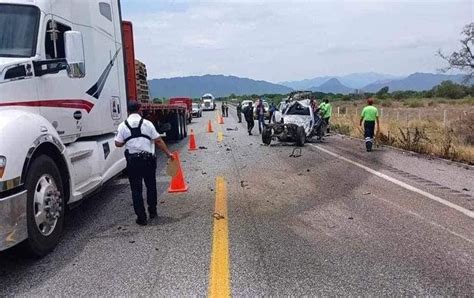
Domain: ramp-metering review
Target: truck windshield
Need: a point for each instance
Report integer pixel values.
(18, 30)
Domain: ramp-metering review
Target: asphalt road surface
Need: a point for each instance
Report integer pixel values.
(334, 221)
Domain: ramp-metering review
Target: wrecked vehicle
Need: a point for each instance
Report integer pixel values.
(299, 124)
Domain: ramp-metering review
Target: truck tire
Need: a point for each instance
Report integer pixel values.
(180, 127)
(173, 134)
(185, 128)
(45, 206)
(267, 135)
(300, 136)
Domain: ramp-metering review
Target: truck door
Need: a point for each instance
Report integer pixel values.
(66, 106)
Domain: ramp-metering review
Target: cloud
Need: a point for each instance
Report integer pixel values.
(286, 40)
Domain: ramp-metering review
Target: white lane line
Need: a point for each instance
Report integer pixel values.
(423, 218)
(463, 210)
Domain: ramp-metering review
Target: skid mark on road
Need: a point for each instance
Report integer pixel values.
(399, 183)
(424, 219)
(219, 275)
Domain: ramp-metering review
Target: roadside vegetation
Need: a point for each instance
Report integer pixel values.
(435, 127)
(438, 122)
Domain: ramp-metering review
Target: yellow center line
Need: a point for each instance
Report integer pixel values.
(219, 275)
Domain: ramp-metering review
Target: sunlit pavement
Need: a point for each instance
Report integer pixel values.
(335, 221)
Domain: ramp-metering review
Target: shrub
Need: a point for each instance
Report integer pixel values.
(414, 140)
(414, 103)
(342, 128)
(450, 90)
(386, 103)
(465, 130)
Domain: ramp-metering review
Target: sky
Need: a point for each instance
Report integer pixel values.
(293, 40)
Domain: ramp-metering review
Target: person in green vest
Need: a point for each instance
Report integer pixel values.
(327, 112)
(370, 116)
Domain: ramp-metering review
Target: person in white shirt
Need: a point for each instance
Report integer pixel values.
(139, 136)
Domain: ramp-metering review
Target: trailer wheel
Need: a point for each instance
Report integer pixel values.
(267, 135)
(185, 127)
(300, 136)
(45, 206)
(181, 123)
(173, 134)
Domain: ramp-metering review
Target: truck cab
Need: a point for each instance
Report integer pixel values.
(62, 96)
(208, 102)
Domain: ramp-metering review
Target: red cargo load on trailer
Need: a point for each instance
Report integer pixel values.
(129, 54)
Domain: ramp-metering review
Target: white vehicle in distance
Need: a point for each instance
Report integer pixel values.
(266, 107)
(245, 103)
(208, 102)
(197, 110)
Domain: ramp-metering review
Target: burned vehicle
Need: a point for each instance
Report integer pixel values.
(299, 125)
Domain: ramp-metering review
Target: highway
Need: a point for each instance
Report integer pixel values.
(334, 221)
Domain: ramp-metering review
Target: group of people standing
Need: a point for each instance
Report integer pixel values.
(369, 116)
(249, 114)
(225, 109)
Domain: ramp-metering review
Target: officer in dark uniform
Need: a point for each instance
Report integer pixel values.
(239, 112)
(139, 136)
(248, 114)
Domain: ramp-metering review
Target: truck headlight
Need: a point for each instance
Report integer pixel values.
(3, 164)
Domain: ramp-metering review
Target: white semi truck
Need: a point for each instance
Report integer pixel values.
(63, 92)
(208, 102)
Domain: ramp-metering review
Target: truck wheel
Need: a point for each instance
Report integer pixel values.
(267, 135)
(300, 136)
(173, 134)
(45, 206)
(185, 128)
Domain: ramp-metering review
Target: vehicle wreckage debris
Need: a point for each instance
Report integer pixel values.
(218, 216)
(232, 129)
(297, 152)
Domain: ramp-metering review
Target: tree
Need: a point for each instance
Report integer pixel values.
(382, 93)
(450, 90)
(464, 59)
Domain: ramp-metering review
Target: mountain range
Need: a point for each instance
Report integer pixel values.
(353, 80)
(416, 82)
(220, 85)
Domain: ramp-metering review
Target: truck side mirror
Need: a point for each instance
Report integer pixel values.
(74, 47)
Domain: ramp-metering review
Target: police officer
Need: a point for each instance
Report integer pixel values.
(139, 137)
(248, 114)
(239, 112)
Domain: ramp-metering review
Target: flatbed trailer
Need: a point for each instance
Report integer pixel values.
(169, 119)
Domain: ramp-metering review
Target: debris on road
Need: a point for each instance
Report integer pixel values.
(366, 193)
(218, 216)
(232, 129)
(297, 152)
(202, 148)
(465, 189)
(131, 241)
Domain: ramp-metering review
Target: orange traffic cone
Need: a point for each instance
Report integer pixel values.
(192, 142)
(177, 182)
(209, 127)
(221, 120)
